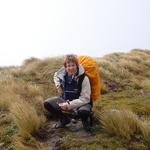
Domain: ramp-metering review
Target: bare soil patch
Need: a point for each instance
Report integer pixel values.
(52, 137)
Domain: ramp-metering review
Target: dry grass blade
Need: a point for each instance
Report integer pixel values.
(32, 144)
(123, 123)
(26, 118)
(145, 128)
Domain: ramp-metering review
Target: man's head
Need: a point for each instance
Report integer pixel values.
(71, 64)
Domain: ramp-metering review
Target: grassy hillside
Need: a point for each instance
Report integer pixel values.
(122, 112)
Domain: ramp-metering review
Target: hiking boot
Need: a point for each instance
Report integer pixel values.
(63, 121)
(86, 125)
(84, 115)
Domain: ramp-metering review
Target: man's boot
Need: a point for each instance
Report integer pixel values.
(63, 120)
(86, 124)
(84, 118)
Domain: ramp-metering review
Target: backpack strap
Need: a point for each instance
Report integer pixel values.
(81, 78)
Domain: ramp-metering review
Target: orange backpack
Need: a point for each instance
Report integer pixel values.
(92, 71)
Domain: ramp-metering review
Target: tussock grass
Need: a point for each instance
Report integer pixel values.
(7, 96)
(114, 57)
(135, 61)
(5, 118)
(31, 60)
(26, 90)
(104, 88)
(32, 144)
(25, 117)
(43, 68)
(123, 123)
(105, 73)
(145, 128)
(125, 84)
(146, 85)
(14, 89)
(146, 62)
(124, 70)
(21, 99)
(140, 52)
(6, 99)
(136, 84)
(131, 66)
(9, 72)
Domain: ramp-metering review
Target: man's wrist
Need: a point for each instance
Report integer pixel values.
(57, 86)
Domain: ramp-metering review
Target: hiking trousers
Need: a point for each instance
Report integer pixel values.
(52, 106)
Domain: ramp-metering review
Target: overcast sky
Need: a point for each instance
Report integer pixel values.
(48, 28)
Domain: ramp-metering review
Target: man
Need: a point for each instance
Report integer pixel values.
(71, 95)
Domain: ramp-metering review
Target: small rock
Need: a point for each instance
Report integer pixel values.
(1, 144)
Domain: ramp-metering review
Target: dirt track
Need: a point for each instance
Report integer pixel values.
(52, 137)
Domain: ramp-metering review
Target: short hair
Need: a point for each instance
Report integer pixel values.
(70, 58)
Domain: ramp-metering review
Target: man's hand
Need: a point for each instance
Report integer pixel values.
(60, 91)
(64, 106)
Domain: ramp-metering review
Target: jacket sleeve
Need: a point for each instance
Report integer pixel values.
(84, 97)
(56, 80)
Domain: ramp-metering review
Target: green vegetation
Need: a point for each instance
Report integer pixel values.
(122, 112)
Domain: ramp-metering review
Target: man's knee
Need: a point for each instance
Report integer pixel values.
(86, 107)
(51, 102)
(84, 113)
(46, 104)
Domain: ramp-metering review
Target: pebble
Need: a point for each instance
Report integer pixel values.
(1, 144)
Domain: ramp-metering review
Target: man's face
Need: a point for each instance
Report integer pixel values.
(71, 68)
